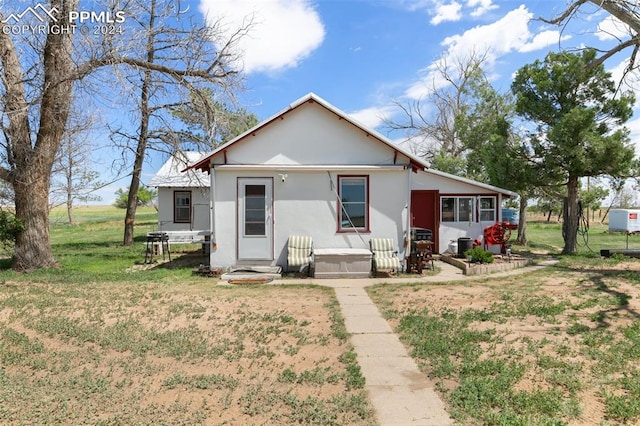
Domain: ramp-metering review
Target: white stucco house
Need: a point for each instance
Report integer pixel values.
(312, 170)
(183, 199)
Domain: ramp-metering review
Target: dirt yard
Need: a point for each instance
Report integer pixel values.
(571, 334)
(176, 354)
(560, 346)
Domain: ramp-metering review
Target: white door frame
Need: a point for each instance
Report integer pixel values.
(254, 231)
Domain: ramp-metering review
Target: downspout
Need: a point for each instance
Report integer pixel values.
(407, 239)
(212, 213)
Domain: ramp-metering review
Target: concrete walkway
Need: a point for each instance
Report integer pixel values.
(399, 392)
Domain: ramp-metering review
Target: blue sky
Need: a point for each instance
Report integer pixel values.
(364, 55)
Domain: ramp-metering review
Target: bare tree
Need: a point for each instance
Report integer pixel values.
(157, 91)
(73, 179)
(38, 74)
(430, 123)
(626, 11)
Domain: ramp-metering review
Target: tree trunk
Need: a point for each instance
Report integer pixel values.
(549, 216)
(69, 178)
(33, 247)
(132, 200)
(522, 222)
(571, 218)
(145, 115)
(70, 209)
(30, 162)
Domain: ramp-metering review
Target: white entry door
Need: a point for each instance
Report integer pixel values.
(255, 221)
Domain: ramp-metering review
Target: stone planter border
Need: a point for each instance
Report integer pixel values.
(485, 268)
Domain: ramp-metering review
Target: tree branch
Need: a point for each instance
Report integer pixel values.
(620, 47)
(18, 132)
(573, 8)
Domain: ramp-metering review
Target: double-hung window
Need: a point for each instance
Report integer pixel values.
(182, 206)
(487, 209)
(354, 203)
(457, 209)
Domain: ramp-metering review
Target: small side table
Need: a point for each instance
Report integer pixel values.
(159, 240)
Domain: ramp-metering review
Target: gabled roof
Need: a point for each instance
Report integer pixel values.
(415, 162)
(471, 182)
(203, 165)
(171, 173)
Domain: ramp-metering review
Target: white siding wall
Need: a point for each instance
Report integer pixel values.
(310, 135)
(306, 204)
(199, 204)
(453, 230)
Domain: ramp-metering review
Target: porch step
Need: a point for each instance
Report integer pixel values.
(249, 274)
(262, 269)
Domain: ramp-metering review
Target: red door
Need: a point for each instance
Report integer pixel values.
(425, 212)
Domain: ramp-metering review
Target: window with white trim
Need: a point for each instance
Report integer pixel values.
(354, 203)
(456, 209)
(487, 209)
(182, 206)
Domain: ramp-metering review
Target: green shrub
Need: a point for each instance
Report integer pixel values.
(10, 227)
(479, 255)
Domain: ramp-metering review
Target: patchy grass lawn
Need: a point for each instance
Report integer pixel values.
(104, 340)
(175, 353)
(561, 346)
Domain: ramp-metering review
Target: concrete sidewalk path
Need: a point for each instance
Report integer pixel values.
(400, 393)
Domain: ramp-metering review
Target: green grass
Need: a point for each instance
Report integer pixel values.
(548, 236)
(91, 250)
(531, 349)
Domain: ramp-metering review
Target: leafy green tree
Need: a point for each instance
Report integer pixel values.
(145, 197)
(549, 203)
(449, 164)
(209, 122)
(592, 198)
(495, 153)
(578, 125)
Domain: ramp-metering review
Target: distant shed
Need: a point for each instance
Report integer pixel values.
(624, 220)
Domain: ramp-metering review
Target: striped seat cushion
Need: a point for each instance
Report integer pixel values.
(387, 262)
(299, 251)
(384, 254)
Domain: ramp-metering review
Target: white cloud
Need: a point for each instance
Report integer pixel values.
(618, 71)
(634, 128)
(504, 36)
(447, 12)
(285, 32)
(480, 7)
(543, 40)
(612, 29)
(372, 117)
